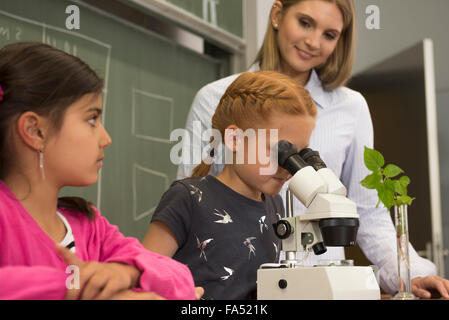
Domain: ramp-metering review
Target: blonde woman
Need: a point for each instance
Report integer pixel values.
(312, 41)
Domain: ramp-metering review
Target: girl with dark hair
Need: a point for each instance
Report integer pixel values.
(51, 136)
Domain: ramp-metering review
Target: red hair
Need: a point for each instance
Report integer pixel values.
(252, 98)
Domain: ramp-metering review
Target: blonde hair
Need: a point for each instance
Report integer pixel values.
(252, 98)
(337, 69)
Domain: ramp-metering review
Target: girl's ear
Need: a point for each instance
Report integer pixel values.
(230, 138)
(31, 130)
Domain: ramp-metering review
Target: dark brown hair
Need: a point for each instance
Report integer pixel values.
(252, 98)
(39, 78)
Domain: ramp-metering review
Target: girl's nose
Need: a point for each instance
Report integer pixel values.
(284, 173)
(105, 139)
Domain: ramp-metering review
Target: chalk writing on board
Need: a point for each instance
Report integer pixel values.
(147, 110)
(63, 45)
(8, 33)
(210, 6)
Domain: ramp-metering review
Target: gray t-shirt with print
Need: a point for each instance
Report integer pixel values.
(223, 236)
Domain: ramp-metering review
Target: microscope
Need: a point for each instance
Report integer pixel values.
(330, 219)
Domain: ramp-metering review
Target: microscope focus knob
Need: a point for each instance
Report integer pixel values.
(282, 283)
(282, 229)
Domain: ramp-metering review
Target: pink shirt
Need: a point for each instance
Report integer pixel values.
(30, 267)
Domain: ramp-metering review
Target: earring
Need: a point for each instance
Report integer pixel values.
(275, 26)
(41, 164)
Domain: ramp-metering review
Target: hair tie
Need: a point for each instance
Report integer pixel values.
(2, 93)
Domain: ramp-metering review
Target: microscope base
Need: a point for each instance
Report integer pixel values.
(317, 283)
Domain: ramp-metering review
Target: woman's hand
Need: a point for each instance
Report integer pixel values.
(421, 286)
(99, 280)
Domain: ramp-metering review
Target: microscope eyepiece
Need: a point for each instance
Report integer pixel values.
(288, 157)
(312, 157)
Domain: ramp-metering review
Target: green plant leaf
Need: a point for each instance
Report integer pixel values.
(404, 200)
(392, 171)
(404, 180)
(372, 181)
(390, 190)
(386, 195)
(389, 184)
(373, 159)
(400, 188)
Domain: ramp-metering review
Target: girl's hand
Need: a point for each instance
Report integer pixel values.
(133, 295)
(99, 280)
(199, 291)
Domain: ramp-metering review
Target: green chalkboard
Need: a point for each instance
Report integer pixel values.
(225, 14)
(150, 85)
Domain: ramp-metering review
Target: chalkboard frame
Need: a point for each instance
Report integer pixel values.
(189, 21)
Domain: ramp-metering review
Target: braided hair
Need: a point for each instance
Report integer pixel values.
(252, 98)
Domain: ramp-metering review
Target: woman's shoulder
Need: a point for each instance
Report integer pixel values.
(348, 96)
(208, 97)
(218, 87)
(342, 97)
(346, 99)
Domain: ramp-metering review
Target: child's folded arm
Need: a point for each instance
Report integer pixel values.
(159, 274)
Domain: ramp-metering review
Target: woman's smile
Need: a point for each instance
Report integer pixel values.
(304, 54)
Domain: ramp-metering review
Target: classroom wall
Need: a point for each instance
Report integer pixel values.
(403, 23)
(256, 12)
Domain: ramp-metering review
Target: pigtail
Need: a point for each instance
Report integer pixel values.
(77, 204)
(201, 170)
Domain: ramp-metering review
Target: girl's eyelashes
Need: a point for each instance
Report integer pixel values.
(94, 116)
(93, 120)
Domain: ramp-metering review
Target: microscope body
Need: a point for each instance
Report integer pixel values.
(330, 219)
